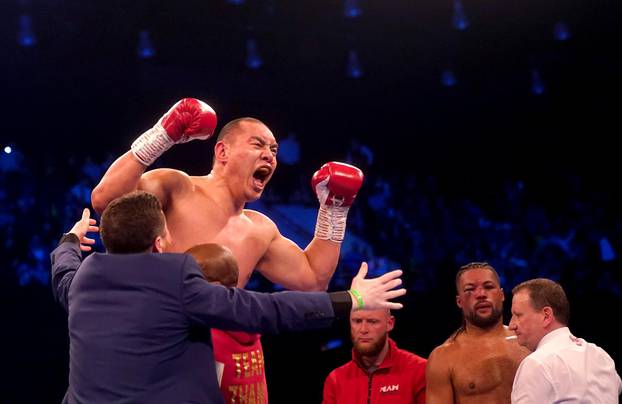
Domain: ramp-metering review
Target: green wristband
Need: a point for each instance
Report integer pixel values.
(359, 298)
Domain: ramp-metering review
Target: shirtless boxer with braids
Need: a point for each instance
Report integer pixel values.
(210, 208)
(478, 362)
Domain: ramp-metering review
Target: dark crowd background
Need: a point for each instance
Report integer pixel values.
(487, 132)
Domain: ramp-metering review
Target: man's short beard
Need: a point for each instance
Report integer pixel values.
(485, 322)
(371, 350)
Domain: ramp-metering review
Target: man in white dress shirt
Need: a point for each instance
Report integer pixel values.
(561, 367)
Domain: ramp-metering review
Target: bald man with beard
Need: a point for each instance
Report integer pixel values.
(379, 371)
(478, 362)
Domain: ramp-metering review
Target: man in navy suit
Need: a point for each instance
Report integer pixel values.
(139, 322)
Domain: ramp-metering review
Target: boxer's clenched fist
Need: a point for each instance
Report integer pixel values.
(187, 120)
(336, 185)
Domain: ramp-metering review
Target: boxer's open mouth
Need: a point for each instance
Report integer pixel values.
(262, 173)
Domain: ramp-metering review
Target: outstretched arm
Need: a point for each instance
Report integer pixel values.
(238, 309)
(187, 120)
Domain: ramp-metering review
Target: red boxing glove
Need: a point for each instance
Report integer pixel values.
(336, 185)
(187, 120)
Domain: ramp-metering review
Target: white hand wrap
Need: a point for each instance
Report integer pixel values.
(331, 223)
(151, 144)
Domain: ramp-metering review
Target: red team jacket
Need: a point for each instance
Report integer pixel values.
(243, 378)
(399, 379)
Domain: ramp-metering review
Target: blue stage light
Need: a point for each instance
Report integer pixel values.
(26, 35)
(607, 253)
(146, 50)
(352, 9)
(332, 344)
(537, 85)
(448, 78)
(353, 68)
(253, 58)
(561, 32)
(460, 20)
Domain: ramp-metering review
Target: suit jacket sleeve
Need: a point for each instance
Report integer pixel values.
(66, 259)
(242, 310)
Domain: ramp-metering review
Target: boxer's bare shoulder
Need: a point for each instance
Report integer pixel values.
(263, 222)
(166, 183)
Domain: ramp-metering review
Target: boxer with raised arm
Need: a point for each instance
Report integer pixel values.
(211, 208)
